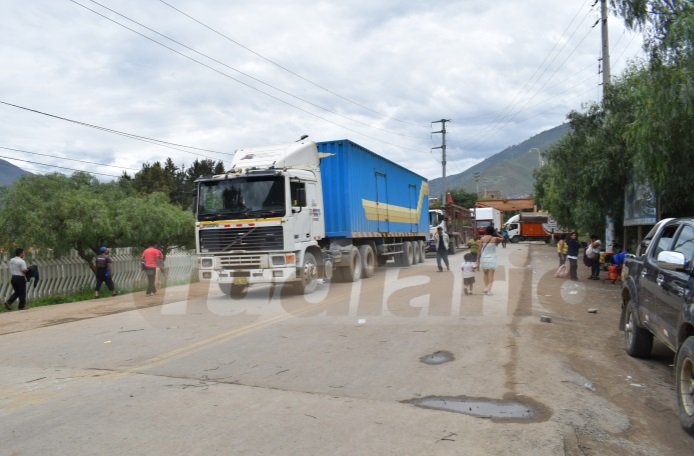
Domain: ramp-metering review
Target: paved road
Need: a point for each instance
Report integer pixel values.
(195, 372)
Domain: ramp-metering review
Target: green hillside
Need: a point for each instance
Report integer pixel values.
(509, 171)
(10, 173)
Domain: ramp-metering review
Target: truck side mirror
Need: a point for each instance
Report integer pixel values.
(671, 261)
(194, 201)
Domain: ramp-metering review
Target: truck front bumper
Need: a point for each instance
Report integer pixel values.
(249, 276)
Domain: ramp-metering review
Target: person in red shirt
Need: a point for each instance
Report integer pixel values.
(152, 258)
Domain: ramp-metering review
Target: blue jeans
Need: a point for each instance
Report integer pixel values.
(595, 268)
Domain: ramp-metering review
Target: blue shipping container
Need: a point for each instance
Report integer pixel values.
(366, 195)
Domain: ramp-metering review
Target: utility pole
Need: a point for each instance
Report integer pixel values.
(443, 154)
(606, 79)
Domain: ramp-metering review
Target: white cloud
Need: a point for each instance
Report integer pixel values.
(411, 61)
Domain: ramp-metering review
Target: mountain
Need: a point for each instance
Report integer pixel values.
(10, 173)
(509, 171)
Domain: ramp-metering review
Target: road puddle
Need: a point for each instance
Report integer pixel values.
(517, 409)
(438, 357)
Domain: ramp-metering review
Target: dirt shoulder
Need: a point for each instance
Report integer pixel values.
(36, 317)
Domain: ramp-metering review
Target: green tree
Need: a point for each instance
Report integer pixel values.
(463, 198)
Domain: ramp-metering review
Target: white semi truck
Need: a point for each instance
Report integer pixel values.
(295, 213)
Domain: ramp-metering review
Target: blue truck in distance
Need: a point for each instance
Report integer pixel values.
(299, 212)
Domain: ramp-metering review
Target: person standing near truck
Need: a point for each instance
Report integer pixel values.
(441, 240)
(151, 258)
(104, 272)
(18, 269)
(572, 248)
(593, 254)
(562, 249)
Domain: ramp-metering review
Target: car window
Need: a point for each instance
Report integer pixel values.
(665, 240)
(685, 244)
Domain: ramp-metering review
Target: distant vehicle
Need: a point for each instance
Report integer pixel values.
(456, 221)
(533, 226)
(486, 216)
(658, 301)
(295, 213)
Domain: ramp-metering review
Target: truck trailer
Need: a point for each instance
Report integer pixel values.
(533, 226)
(486, 216)
(296, 213)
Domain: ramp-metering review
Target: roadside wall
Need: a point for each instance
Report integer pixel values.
(69, 274)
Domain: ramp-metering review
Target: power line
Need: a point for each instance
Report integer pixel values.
(285, 68)
(56, 166)
(157, 142)
(250, 76)
(242, 82)
(66, 158)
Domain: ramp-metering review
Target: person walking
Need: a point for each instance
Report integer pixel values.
(151, 259)
(562, 249)
(474, 247)
(487, 257)
(572, 248)
(104, 272)
(469, 267)
(504, 234)
(441, 240)
(18, 269)
(593, 254)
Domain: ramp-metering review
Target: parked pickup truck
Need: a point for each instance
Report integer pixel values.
(658, 300)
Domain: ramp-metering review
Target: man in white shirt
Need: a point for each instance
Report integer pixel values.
(18, 268)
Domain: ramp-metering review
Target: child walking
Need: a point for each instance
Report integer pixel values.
(469, 266)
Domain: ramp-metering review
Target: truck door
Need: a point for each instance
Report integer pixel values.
(381, 202)
(650, 280)
(675, 290)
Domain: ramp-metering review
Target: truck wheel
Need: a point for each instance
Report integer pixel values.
(368, 260)
(638, 341)
(351, 272)
(405, 257)
(235, 291)
(308, 280)
(515, 239)
(422, 247)
(415, 252)
(684, 381)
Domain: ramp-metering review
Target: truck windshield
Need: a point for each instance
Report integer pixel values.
(241, 197)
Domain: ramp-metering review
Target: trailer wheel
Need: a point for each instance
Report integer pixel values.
(452, 245)
(415, 252)
(405, 257)
(422, 251)
(368, 260)
(351, 272)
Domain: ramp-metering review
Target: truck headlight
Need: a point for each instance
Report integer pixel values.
(206, 262)
(282, 260)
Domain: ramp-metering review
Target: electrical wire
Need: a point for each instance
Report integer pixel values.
(244, 83)
(252, 77)
(157, 142)
(56, 166)
(69, 159)
(293, 73)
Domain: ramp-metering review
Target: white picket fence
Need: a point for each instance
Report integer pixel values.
(69, 273)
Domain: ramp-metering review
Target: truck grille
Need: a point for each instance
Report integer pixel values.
(238, 261)
(248, 239)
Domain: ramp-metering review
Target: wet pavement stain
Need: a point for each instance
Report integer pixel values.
(438, 357)
(517, 409)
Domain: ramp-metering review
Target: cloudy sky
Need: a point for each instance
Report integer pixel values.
(218, 75)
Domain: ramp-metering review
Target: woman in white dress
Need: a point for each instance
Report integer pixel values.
(487, 257)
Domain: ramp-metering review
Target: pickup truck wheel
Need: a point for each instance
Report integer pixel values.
(684, 382)
(308, 280)
(368, 260)
(638, 341)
